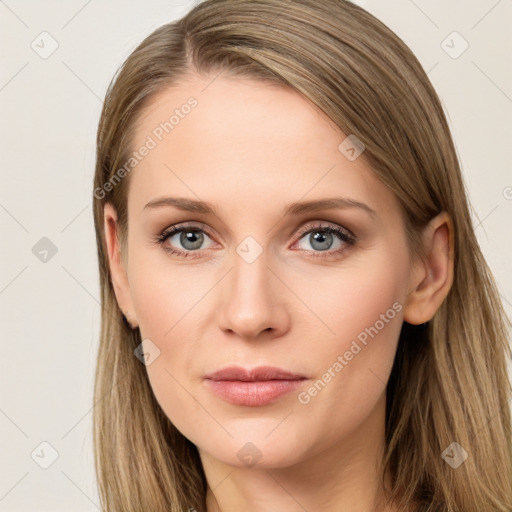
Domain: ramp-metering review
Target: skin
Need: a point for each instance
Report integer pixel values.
(251, 148)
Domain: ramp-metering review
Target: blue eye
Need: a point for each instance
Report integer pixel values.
(190, 237)
(321, 239)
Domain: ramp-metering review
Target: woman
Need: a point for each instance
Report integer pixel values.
(296, 311)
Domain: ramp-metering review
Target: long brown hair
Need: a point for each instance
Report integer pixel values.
(449, 382)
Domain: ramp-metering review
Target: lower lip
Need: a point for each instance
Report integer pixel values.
(253, 394)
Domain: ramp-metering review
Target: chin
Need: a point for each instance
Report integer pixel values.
(258, 452)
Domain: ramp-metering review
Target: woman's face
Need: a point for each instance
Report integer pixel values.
(261, 281)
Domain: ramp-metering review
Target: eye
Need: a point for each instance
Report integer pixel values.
(189, 237)
(323, 238)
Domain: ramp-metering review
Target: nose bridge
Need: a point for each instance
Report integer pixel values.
(252, 300)
(251, 279)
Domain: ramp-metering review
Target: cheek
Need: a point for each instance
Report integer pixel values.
(348, 300)
(163, 292)
(169, 302)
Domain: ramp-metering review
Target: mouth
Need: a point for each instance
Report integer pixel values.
(256, 387)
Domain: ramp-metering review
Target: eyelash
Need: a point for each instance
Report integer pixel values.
(342, 234)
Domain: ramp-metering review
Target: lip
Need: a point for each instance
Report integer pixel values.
(253, 387)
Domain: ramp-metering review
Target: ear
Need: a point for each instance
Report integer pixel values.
(117, 265)
(431, 279)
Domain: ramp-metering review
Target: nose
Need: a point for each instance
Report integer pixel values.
(254, 301)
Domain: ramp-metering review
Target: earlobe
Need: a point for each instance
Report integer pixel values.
(433, 277)
(118, 271)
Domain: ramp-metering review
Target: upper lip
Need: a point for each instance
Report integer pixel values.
(261, 373)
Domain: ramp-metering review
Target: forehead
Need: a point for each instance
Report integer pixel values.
(237, 110)
(245, 140)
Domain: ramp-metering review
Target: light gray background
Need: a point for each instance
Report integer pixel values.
(49, 109)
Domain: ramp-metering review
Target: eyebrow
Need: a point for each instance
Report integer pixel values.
(297, 208)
